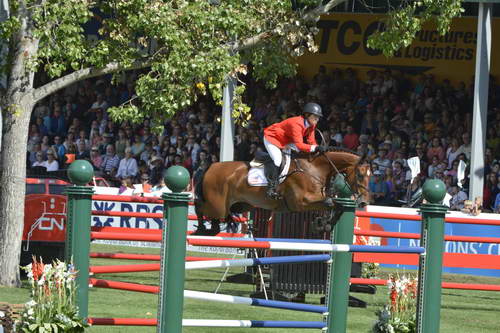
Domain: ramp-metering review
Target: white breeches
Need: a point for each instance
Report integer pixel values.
(274, 152)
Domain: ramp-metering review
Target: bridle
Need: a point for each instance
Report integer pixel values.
(343, 175)
(339, 176)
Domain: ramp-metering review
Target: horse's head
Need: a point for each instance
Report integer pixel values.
(356, 172)
(362, 178)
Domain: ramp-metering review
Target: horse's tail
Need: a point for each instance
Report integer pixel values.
(198, 186)
(199, 199)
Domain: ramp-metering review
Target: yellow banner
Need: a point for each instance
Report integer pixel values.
(342, 43)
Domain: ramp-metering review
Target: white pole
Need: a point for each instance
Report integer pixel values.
(227, 122)
(481, 84)
(217, 297)
(215, 323)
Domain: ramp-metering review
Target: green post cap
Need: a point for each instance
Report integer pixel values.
(80, 172)
(176, 178)
(434, 191)
(341, 187)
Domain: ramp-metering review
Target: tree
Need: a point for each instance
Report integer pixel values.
(194, 45)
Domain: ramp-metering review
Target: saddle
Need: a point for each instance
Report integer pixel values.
(262, 157)
(261, 163)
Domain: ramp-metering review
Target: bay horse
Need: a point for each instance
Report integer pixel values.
(224, 190)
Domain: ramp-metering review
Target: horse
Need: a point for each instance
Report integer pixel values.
(223, 189)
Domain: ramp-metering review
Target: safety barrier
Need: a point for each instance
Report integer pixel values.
(171, 289)
(474, 254)
(464, 254)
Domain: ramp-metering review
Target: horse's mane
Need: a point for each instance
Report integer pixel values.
(332, 149)
(342, 150)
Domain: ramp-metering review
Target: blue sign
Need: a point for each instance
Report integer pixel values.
(454, 229)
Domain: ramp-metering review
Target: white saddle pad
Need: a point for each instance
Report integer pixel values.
(257, 177)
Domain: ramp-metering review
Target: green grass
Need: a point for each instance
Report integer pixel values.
(462, 311)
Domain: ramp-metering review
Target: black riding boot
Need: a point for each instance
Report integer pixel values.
(272, 178)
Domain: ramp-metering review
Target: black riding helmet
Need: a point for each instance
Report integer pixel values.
(313, 108)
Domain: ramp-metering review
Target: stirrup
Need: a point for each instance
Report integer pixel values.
(272, 192)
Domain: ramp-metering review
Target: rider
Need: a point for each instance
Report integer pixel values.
(296, 133)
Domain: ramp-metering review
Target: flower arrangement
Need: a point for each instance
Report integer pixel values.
(370, 270)
(52, 307)
(400, 315)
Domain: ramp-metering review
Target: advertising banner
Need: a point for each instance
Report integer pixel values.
(342, 43)
(474, 258)
(145, 223)
(45, 221)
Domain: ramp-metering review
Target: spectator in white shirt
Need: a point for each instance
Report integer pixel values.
(99, 104)
(82, 137)
(466, 147)
(51, 164)
(110, 160)
(38, 160)
(128, 165)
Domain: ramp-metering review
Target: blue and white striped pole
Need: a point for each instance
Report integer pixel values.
(258, 239)
(312, 247)
(252, 323)
(254, 301)
(257, 261)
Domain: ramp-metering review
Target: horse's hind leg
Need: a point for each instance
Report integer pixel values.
(215, 227)
(212, 215)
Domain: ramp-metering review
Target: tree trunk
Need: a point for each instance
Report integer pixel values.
(13, 188)
(16, 104)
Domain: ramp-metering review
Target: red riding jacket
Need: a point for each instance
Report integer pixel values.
(292, 130)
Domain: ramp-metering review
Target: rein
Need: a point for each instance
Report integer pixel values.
(316, 178)
(339, 173)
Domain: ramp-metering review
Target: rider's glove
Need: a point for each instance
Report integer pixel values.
(321, 149)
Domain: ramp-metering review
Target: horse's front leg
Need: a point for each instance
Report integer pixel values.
(317, 200)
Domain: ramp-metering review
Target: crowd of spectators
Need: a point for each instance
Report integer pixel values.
(386, 116)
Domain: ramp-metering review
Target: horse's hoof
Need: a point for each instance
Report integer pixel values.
(200, 230)
(214, 230)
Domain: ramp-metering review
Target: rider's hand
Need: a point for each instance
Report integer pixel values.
(321, 149)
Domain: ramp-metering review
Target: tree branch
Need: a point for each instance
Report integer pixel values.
(310, 16)
(82, 74)
(314, 14)
(38, 94)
